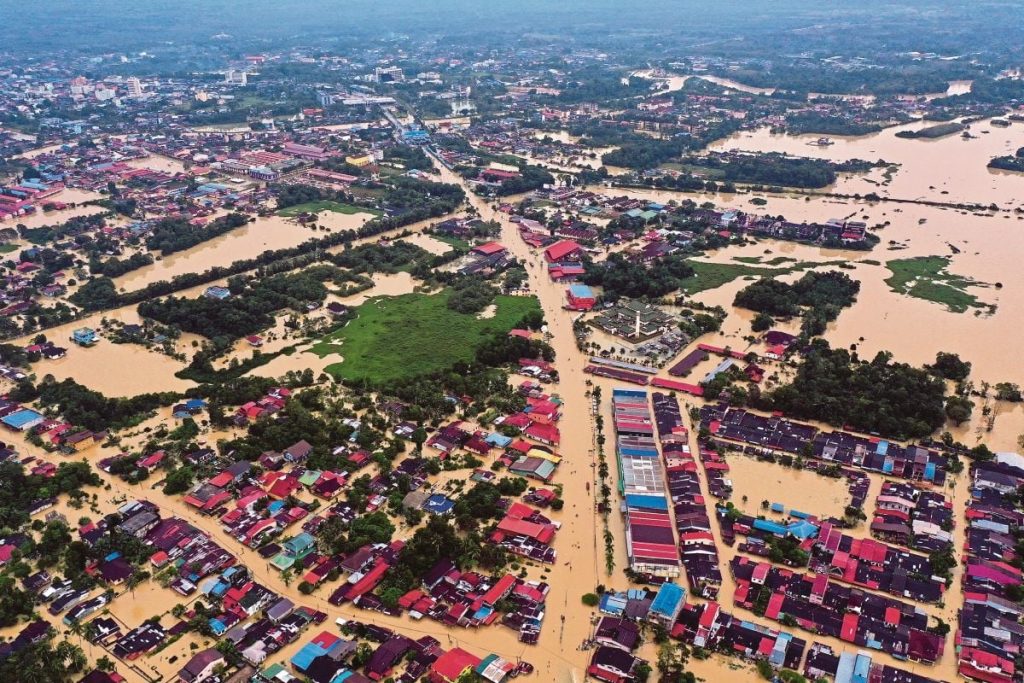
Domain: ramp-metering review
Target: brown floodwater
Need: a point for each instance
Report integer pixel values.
(429, 243)
(802, 490)
(928, 168)
(156, 162)
(245, 242)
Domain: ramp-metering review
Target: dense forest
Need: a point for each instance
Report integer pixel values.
(876, 397)
(114, 267)
(90, 409)
(621, 277)
(250, 309)
(646, 153)
(774, 169)
(818, 297)
(817, 123)
(178, 234)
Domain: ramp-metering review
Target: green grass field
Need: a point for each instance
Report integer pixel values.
(926, 277)
(453, 241)
(714, 275)
(414, 334)
(8, 248)
(325, 205)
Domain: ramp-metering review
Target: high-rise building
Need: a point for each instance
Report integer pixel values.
(134, 88)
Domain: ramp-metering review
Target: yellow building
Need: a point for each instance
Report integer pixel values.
(364, 160)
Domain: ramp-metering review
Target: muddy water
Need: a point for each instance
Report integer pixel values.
(384, 284)
(336, 221)
(112, 369)
(158, 163)
(245, 242)
(68, 196)
(677, 82)
(431, 244)
(927, 170)
(795, 489)
(989, 247)
(298, 361)
(579, 549)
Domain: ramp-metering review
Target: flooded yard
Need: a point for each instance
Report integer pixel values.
(800, 490)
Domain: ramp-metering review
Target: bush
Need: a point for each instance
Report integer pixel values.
(590, 599)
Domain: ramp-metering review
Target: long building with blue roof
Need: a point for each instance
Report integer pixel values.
(650, 539)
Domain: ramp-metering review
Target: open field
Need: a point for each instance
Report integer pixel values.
(926, 277)
(412, 334)
(714, 275)
(324, 205)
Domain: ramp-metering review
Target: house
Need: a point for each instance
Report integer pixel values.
(488, 249)
(337, 310)
(139, 641)
(217, 293)
(612, 664)
(563, 251)
(97, 676)
(452, 665)
(201, 666)
(580, 298)
(298, 451)
(84, 336)
(385, 657)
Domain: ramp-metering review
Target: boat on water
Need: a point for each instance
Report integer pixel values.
(823, 142)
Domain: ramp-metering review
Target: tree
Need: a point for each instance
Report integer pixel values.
(178, 481)
(949, 366)
(590, 599)
(762, 322)
(959, 409)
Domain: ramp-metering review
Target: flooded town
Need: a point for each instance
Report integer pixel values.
(456, 343)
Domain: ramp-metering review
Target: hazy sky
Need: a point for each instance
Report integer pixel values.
(40, 25)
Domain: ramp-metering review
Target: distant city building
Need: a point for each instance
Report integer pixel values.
(388, 74)
(134, 88)
(236, 77)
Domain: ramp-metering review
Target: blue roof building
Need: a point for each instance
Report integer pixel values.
(581, 291)
(771, 527)
(84, 336)
(802, 530)
(667, 603)
(23, 419)
(438, 504)
(862, 668)
(217, 292)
